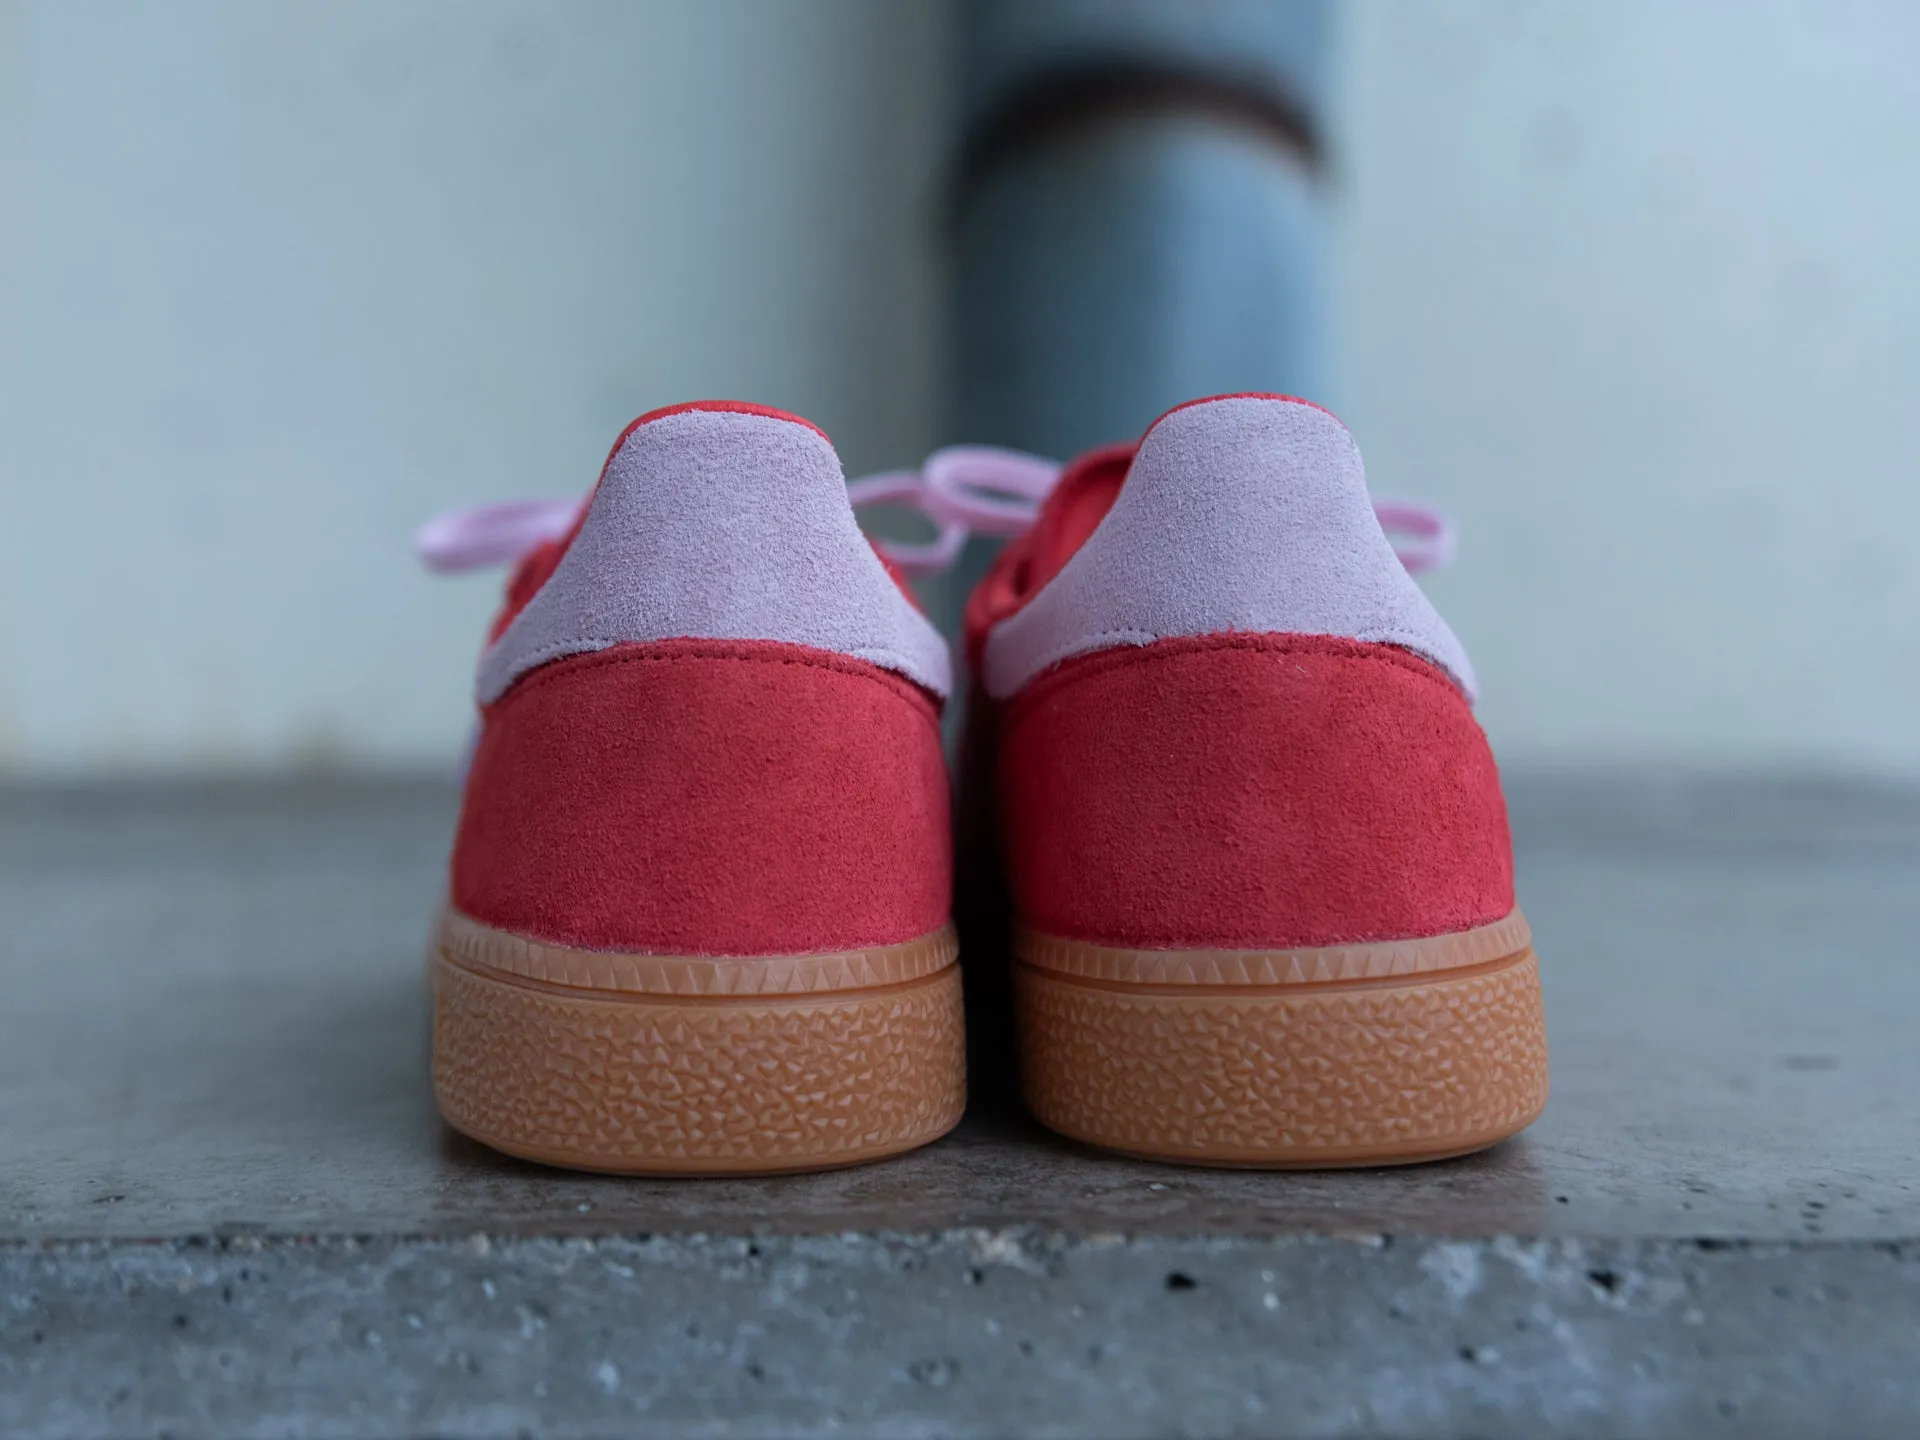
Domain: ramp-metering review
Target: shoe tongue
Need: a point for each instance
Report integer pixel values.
(1073, 510)
(1080, 500)
(532, 571)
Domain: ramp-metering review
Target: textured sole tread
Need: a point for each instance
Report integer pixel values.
(1381, 1071)
(628, 1082)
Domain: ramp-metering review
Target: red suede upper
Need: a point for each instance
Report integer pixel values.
(1249, 791)
(1234, 790)
(708, 797)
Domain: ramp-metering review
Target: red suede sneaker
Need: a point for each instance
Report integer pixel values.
(1251, 834)
(698, 913)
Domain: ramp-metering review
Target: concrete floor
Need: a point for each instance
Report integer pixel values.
(227, 1207)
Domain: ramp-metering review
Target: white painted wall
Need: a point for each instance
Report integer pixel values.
(279, 281)
(1635, 288)
(1630, 286)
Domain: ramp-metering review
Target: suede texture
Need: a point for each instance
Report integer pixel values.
(538, 565)
(1241, 513)
(723, 522)
(1073, 510)
(697, 797)
(1249, 791)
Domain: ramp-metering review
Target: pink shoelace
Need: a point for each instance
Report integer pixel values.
(964, 490)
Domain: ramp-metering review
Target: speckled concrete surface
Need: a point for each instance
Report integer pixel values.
(226, 1206)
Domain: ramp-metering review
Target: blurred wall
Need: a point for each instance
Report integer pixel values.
(1635, 288)
(1629, 287)
(278, 281)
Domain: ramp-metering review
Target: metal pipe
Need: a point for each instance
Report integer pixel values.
(1138, 211)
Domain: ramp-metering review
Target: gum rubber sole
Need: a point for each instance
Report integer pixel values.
(1343, 1056)
(719, 1066)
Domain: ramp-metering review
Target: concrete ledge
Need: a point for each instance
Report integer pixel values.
(228, 1209)
(959, 1333)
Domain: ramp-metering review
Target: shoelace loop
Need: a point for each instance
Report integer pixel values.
(964, 490)
(985, 490)
(492, 534)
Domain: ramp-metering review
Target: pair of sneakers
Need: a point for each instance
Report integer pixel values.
(1221, 782)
